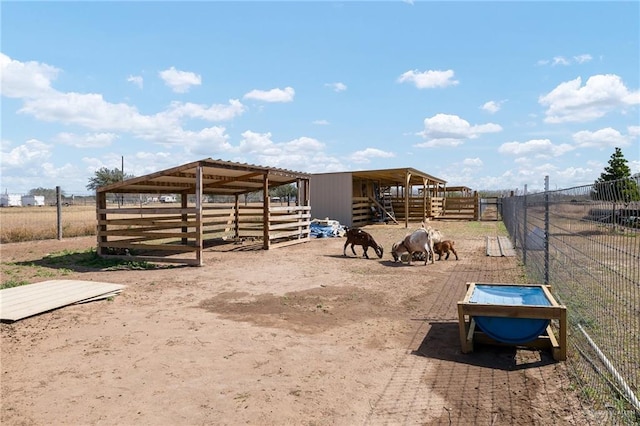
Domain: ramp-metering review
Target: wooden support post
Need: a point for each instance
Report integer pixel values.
(236, 209)
(199, 242)
(266, 207)
(184, 217)
(407, 180)
(101, 217)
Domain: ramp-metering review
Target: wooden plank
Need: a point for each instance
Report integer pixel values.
(506, 248)
(20, 302)
(500, 247)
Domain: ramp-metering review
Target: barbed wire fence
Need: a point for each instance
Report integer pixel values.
(585, 243)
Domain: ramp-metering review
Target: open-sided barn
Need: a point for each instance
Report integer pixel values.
(390, 195)
(178, 233)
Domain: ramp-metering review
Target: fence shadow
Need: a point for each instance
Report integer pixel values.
(442, 342)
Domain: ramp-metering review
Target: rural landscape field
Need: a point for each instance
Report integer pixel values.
(39, 223)
(295, 335)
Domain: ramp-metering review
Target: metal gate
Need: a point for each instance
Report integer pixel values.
(491, 208)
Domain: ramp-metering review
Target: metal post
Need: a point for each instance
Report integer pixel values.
(546, 229)
(524, 226)
(59, 211)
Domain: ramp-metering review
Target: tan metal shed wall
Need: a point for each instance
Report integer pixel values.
(331, 196)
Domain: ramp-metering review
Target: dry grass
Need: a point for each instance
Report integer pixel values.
(40, 223)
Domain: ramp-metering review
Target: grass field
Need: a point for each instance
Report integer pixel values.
(40, 223)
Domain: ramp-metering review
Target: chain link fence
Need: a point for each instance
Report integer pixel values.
(585, 243)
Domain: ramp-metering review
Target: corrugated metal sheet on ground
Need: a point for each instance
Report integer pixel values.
(27, 300)
(499, 246)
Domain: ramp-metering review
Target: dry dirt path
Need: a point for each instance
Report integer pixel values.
(299, 335)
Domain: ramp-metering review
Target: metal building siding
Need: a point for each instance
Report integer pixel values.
(331, 196)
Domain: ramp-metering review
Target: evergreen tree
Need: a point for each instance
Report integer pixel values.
(615, 183)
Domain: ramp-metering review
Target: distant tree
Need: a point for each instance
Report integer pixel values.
(105, 176)
(284, 191)
(49, 193)
(615, 183)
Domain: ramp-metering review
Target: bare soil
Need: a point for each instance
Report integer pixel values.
(297, 335)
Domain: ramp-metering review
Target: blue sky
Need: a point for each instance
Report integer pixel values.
(491, 95)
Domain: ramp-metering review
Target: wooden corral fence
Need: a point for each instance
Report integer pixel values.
(175, 235)
(419, 208)
(462, 208)
(361, 211)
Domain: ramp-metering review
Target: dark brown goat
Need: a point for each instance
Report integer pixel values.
(356, 236)
(444, 247)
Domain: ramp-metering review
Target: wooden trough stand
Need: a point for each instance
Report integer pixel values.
(512, 314)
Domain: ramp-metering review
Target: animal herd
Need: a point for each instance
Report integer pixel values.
(421, 244)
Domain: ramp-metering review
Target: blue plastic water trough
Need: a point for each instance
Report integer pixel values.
(510, 330)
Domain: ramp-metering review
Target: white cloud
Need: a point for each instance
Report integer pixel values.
(472, 162)
(30, 154)
(365, 155)
(210, 141)
(572, 102)
(634, 131)
(25, 79)
(602, 138)
(540, 148)
(92, 111)
(451, 130)
(219, 112)
(88, 140)
(573, 174)
(253, 142)
(303, 144)
(136, 79)
(180, 81)
(428, 79)
(581, 59)
(303, 153)
(337, 87)
(492, 106)
(137, 164)
(321, 122)
(559, 60)
(440, 142)
(273, 95)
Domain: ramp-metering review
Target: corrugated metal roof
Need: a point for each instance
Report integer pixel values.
(396, 176)
(219, 178)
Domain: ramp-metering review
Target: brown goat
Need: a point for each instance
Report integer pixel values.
(356, 236)
(444, 247)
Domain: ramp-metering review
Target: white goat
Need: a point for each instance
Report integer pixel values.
(418, 241)
(398, 248)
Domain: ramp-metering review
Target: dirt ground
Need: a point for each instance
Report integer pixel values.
(299, 335)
